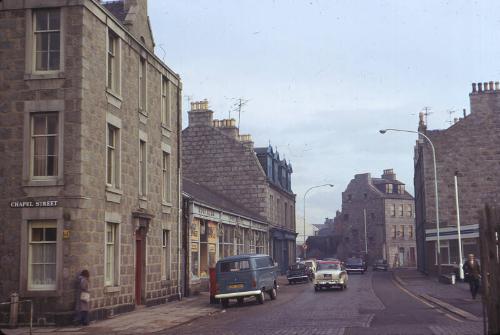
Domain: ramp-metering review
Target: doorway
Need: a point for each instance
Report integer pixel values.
(139, 264)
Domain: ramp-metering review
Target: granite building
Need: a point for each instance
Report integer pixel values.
(468, 149)
(377, 220)
(215, 155)
(89, 135)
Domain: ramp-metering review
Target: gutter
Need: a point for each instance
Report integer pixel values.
(179, 189)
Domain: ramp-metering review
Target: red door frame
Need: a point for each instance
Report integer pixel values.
(138, 266)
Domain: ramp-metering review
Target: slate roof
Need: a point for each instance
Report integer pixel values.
(117, 8)
(207, 196)
(380, 183)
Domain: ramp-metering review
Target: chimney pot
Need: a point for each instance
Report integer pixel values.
(491, 86)
(479, 87)
(473, 87)
(465, 114)
(497, 86)
(485, 86)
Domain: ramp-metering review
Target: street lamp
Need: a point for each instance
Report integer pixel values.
(331, 185)
(383, 131)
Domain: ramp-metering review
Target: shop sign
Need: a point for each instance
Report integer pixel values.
(194, 247)
(207, 212)
(211, 248)
(32, 203)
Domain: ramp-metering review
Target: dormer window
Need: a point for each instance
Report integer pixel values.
(401, 189)
(388, 188)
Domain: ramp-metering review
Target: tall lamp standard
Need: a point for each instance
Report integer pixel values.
(305, 194)
(383, 131)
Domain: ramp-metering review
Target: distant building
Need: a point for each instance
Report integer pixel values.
(388, 210)
(468, 149)
(217, 156)
(90, 168)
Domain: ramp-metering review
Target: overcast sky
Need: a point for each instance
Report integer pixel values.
(322, 77)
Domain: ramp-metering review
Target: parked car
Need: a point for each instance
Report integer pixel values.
(330, 274)
(380, 264)
(298, 272)
(355, 265)
(247, 275)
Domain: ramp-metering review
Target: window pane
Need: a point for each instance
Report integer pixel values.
(40, 165)
(54, 41)
(42, 60)
(51, 145)
(50, 274)
(36, 234)
(52, 123)
(42, 42)
(37, 274)
(54, 20)
(51, 165)
(49, 252)
(37, 253)
(54, 60)
(50, 234)
(39, 124)
(41, 19)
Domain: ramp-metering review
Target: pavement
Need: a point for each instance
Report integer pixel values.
(455, 298)
(140, 321)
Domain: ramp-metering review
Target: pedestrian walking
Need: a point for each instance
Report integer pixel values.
(83, 298)
(472, 271)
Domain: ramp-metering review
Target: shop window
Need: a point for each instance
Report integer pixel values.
(208, 250)
(195, 249)
(42, 255)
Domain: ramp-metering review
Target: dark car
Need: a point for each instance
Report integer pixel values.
(380, 264)
(355, 265)
(298, 272)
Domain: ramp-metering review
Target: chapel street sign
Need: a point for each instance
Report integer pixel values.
(32, 203)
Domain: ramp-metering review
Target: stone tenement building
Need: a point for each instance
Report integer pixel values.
(89, 137)
(216, 156)
(388, 210)
(468, 149)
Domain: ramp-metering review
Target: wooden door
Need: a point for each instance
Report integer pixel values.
(138, 266)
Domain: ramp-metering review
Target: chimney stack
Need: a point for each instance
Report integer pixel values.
(200, 115)
(227, 127)
(389, 174)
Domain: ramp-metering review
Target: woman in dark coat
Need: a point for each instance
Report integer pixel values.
(82, 298)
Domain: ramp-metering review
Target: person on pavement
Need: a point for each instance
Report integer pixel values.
(472, 272)
(83, 298)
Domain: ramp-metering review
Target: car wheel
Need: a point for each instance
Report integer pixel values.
(260, 297)
(224, 303)
(240, 300)
(273, 293)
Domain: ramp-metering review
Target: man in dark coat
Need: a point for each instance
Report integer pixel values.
(82, 298)
(472, 272)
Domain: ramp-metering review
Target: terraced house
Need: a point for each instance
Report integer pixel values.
(89, 124)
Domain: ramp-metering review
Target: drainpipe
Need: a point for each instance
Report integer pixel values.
(179, 189)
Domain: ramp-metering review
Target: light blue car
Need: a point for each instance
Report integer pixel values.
(248, 275)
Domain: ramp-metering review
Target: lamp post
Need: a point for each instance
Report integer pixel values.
(305, 194)
(383, 131)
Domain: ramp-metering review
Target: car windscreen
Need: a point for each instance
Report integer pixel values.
(309, 264)
(328, 266)
(354, 261)
(297, 266)
(234, 266)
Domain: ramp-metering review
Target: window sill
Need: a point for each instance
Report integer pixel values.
(46, 182)
(113, 98)
(113, 194)
(40, 293)
(112, 289)
(143, 202)
(166, 208)
(44, 75)
(143, 117)
(166, 130)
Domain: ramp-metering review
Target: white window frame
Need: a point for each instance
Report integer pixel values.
(111, 278)
(143, 160)
(41, 224)
(393, 210)
(166, 111)
(34, 32)
(116, 168)
(143, 85)
(401, 210)
(166, 178)
(165, 255)
(32, 146)
(115, 67)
